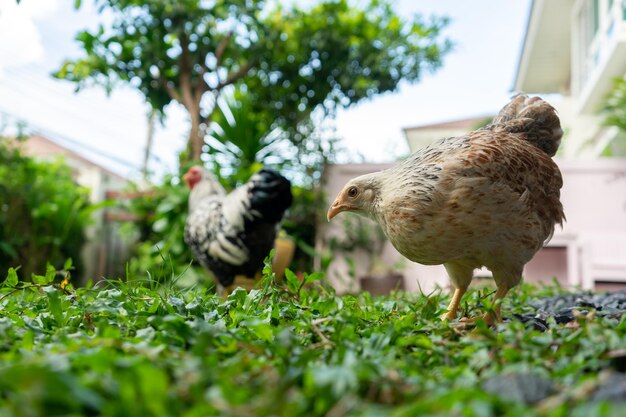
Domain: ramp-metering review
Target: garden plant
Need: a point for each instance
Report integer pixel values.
(143, 348)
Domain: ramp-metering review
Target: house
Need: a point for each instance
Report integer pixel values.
(575, 48)
(572, 51)
(86, 172)
(420, 136)
(104, 248)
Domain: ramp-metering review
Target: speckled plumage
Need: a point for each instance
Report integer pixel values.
(231, 234)
(490, 198)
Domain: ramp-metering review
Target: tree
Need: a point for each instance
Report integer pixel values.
(291, 60)
(43, 213)
(615, 106)
(240, 140)
(615, 115)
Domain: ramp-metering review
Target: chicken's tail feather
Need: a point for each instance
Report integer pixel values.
(534, 117)
(270, 194)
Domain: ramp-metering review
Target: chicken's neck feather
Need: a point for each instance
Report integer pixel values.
(208, 187)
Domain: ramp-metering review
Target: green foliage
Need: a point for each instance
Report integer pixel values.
(358, 233)
(615, 106)
(337, 53)
(292, 60)
(153, 350)
(159, 45)
(43, 213)
(614, 111)
(301, 224)
(615, 115)
(241, 141)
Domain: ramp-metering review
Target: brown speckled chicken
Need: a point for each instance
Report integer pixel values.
(490, 198)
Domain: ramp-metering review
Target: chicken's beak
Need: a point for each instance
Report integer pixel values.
(337, 207)
(186, 177)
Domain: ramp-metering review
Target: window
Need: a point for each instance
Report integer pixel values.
(595, 17)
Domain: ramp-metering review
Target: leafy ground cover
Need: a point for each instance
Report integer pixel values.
(142, 349)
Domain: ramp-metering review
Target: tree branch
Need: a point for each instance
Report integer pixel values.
(219, 54)
(185, 74)
(201, 86)
(171, 91)
(221, 48)
(234, 76)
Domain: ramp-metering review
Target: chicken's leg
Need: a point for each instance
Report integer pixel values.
(493, 317)
(505, 280)
(461, 276)
(454, 304)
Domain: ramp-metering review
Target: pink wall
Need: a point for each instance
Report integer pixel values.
(589, 251)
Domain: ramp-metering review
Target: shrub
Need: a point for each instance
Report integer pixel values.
(43, 213)
(123, 349)
(615, 115)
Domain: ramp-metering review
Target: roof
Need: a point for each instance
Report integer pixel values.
(545, 60)
(41, 146)
(461, 124)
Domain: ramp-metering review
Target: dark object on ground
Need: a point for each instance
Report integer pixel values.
(561, 307)
(523, 388)
(613, 389)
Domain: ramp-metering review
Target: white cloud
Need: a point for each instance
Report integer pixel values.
(20, 39)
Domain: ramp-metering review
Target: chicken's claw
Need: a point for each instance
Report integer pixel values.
(489, 318)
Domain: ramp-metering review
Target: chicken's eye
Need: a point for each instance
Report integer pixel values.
(353, 192)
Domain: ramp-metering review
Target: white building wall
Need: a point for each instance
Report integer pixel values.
(578, 62)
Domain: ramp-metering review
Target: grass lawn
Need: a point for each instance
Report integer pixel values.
(127, 349)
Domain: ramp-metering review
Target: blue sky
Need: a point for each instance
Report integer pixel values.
(475, 80)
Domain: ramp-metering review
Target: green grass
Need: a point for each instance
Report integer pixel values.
(131, 349)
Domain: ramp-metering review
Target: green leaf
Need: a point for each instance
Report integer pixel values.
(315, 276)
(153, 383)
(39, 279)
(28, 340)
(292, 280)
(55, 306)
(67, 266)
(261, 330)
(11, 279)
(51, 273)
(160, 225)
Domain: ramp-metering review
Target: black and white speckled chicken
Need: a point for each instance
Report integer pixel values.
(231, 234)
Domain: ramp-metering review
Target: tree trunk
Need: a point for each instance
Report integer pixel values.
(149, 139)
(196, 136)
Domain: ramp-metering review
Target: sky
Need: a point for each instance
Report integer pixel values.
(476, 79)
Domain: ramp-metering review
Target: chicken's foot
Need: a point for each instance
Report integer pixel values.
(453, 307)
(491, 317)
